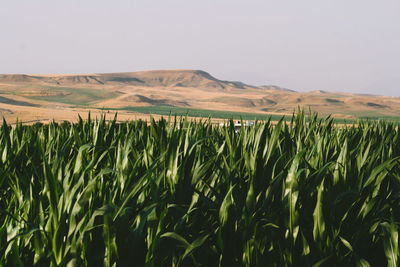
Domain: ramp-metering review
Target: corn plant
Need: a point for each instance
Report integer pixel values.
(175, 192)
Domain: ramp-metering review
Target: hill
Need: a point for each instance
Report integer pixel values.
(155, 78)
(27, 96)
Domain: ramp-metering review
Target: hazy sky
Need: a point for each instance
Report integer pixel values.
(334, 45)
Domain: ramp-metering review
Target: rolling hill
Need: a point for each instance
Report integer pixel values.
(48, 96)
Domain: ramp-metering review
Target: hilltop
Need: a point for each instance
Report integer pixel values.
(153, 78)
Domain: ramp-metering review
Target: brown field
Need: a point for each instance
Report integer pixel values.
(43, 98)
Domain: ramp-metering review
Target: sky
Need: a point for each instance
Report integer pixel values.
(332, 45)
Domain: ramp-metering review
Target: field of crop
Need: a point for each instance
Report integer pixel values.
(202, 113)
(205, 113)
(183, 193)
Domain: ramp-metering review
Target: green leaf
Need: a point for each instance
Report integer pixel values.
(391, 243)
(225, 209)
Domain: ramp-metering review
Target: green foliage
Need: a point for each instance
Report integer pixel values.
(220, 114)
(202, 113)
(182, 193)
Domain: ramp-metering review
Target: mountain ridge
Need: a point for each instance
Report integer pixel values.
(167, 78)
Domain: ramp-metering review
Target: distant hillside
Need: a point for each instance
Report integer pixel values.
(156, 78)
(276, 88)
(182, 89)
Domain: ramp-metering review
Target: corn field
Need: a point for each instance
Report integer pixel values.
(184, 193)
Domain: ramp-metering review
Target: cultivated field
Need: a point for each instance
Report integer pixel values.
(187, 193)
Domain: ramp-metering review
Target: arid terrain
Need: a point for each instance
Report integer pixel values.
(33, 98)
